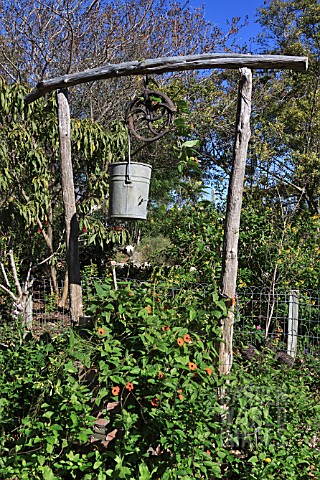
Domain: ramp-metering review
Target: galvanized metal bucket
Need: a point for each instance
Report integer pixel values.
(129, 190)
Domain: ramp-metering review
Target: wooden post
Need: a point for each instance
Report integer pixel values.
(114, 275)
(29, 307)
(293, 320)
(232, 222)
(69, 201)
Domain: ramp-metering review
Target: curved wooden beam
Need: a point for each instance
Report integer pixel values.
(169, 64)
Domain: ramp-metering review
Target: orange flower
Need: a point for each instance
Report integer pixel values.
(115, 391)
(148, 308)
(160, 375)
(129, 386)
(192, 366)
(180, 396)
(180, 341)
(208, 452)
(233, 301)
(101, 331)
(230, 302)
(165, 328)
(187, 338)
(208, 370)
(155, 402)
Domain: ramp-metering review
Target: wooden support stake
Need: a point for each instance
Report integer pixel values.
(69, 201)
(114, 274)
(232, 222)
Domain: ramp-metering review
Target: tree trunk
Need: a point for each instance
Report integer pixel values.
(53, 270)
(63, 301)
(232, 222)
(69, 201)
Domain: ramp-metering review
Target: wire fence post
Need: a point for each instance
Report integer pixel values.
(293, 321)
(29, 311)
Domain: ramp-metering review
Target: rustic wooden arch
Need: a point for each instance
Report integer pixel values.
(244, 62)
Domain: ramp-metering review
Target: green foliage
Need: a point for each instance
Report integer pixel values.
(278, 248)
(273, 416)
(24, 159)
(153, 250)
(195, 231)
(51, 410)
(147, 372)
(138, 397)
(286, 131)
(209, 117)
(31, 203)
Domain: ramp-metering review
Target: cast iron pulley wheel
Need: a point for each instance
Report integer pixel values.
(150, 115)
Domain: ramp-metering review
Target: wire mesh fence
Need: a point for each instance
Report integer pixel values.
(288, 321)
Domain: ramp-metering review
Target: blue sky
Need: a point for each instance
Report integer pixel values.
(218, 11)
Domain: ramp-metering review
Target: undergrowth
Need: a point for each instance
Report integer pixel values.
(138, 397)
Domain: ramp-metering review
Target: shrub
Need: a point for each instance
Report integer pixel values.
(138, 397)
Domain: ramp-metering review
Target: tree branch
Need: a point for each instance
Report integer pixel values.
(14, 272)
(12, 295)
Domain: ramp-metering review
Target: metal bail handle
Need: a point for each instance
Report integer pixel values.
(128, 173)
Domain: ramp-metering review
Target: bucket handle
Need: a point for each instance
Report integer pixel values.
(128, 177)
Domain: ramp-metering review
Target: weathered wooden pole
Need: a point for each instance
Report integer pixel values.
(169, 64)
(69, 202)
(232, 221)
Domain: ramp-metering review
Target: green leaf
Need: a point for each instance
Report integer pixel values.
(183, 106)
(49, 448)
(101, 292)
(191, 143)
(48, 473)
(74, 419)
(41, 459)
(144, 473)
(253, 459)
(71, 339)
(180, 167)
(48, 414)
